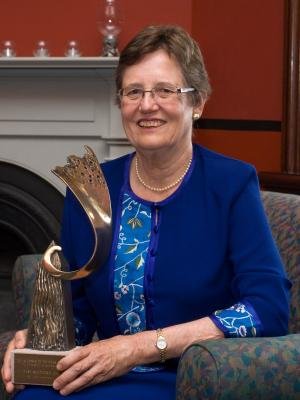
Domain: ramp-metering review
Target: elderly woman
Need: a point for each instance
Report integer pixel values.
(192, 256)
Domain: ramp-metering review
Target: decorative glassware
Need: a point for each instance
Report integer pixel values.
(41, 49)
(8, 49)
(72, 49)
(110, 29)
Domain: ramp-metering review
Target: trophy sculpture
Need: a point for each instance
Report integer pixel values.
(50, 331)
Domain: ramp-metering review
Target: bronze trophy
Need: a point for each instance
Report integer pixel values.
(50, 330)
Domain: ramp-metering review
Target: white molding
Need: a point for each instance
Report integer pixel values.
(51, 107)
(59, 62)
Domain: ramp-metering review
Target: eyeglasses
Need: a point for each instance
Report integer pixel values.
(158, 92)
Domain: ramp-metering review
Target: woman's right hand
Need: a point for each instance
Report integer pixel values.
(18, 342)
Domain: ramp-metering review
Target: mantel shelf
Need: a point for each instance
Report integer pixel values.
(58, 62)
(50, 107)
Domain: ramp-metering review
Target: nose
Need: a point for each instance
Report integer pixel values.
(148, 102)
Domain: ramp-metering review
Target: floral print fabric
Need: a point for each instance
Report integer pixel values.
(239, 369)
(240, 320)
(132, 249)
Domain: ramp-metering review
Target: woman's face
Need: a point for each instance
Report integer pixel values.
(151, 123)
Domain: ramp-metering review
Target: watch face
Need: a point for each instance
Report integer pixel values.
(161, 343)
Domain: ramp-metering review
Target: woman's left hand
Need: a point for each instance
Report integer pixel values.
(96, 362)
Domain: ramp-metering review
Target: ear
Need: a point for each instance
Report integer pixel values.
(198, 110)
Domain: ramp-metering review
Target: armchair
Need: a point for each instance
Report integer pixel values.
(253, 368)
(228, 369)
(23, 278)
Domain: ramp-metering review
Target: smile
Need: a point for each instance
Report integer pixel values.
(153, 123)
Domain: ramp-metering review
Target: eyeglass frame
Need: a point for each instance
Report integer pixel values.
(176, 90)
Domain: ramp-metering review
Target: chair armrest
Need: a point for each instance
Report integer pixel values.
(260, 368)
(23, 279)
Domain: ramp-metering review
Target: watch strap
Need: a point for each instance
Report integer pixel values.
(161, 344)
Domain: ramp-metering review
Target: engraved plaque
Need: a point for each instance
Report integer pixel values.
(35, 367)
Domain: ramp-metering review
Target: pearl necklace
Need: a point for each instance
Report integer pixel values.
(165, 188)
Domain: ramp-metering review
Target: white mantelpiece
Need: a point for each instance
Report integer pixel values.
(94, 63)
(51, 107)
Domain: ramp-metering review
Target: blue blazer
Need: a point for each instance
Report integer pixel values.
(213, 248)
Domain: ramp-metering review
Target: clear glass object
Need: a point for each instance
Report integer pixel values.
(8, 49)
(41, 49)
(72, 49)
(109, 26)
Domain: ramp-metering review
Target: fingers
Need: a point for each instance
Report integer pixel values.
(77, 378)
(81, 368)
(94, 363)
(18, 341)
(6, 367)
(72, 366)
(9, 387)
(75, 363)
(73, 357)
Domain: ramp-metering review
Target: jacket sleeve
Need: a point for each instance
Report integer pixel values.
(259, 276)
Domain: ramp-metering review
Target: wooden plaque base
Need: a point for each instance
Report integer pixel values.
(35, 367)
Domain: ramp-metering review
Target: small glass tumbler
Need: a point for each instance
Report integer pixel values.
(72, 49)
(41, 49)
(8, 49)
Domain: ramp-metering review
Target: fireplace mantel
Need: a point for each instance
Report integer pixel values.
(15, 64)
(51, 106)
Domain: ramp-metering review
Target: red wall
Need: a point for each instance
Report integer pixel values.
(59, 21)
(242, 42)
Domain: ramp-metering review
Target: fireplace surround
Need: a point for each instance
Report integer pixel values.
(30, 211)
(49, 108)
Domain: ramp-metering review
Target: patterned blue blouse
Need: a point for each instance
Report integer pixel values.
(132, 250)
(239, 320)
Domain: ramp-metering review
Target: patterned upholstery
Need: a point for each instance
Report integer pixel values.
(283, 211)
(253, 368)
(229, 369)
(4, 339)
(234, 369)
(23, 281)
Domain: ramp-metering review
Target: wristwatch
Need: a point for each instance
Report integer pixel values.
(161, 344)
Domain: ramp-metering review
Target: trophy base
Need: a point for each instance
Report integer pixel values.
(35, 367)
